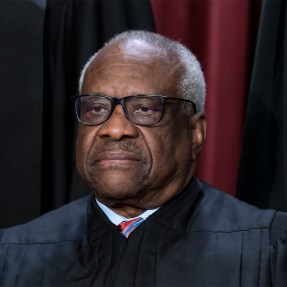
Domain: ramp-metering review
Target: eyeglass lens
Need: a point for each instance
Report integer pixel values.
(140, 110)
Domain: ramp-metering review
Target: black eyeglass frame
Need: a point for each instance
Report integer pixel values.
(121, 101)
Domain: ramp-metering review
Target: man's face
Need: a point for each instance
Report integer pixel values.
(127, 164)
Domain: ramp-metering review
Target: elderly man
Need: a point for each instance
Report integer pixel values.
(149, 221)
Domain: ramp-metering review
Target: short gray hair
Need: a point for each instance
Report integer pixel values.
(191, 85)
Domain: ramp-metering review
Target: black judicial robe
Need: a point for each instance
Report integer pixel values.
(202, 237)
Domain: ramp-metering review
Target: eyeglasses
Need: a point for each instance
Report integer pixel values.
(141, 110)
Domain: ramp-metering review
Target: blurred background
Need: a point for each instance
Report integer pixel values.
(241, 44)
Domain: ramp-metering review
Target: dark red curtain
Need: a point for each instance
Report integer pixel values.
(222, 34)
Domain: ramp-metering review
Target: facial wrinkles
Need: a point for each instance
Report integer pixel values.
(160, 155)
(131, 69)
(109, 145)
(182, 143)
(121, 86)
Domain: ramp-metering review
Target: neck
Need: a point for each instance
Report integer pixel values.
(128, 211)
(134, 207)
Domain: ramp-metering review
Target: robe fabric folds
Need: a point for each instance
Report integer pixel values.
(202, 237)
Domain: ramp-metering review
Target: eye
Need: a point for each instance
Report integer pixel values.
(144, 110)
(95, 109)
(98, 109)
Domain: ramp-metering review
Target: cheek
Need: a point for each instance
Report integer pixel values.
(85, 140)
(170, 151)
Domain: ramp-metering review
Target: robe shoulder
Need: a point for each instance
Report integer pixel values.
(67, 223)
(217, 211)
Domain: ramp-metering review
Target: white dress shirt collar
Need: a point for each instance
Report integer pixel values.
(117, 219)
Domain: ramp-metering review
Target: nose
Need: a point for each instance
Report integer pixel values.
(118, 126)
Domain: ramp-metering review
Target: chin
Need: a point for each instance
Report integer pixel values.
(116, 183)
(116, 189)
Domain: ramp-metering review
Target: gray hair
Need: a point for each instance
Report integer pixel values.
(191, 85)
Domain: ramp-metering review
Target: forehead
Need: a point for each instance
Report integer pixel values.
(134, 66)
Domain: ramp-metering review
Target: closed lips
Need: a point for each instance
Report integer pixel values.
(116, 156)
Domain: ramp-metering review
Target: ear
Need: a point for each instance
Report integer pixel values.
(198, 126)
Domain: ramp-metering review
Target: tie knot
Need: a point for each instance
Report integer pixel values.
(127, 227)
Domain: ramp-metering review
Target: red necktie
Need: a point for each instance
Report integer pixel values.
(127, 227)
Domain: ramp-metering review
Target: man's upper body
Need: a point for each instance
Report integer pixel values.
(141, 127)
(201, 237)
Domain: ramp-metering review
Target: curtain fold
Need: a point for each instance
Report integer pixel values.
(21, 111)
(73, 31)
(262, 179)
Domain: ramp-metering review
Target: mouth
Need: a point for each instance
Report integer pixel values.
(119, 159)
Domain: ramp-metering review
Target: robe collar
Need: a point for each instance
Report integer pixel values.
(174, 214)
